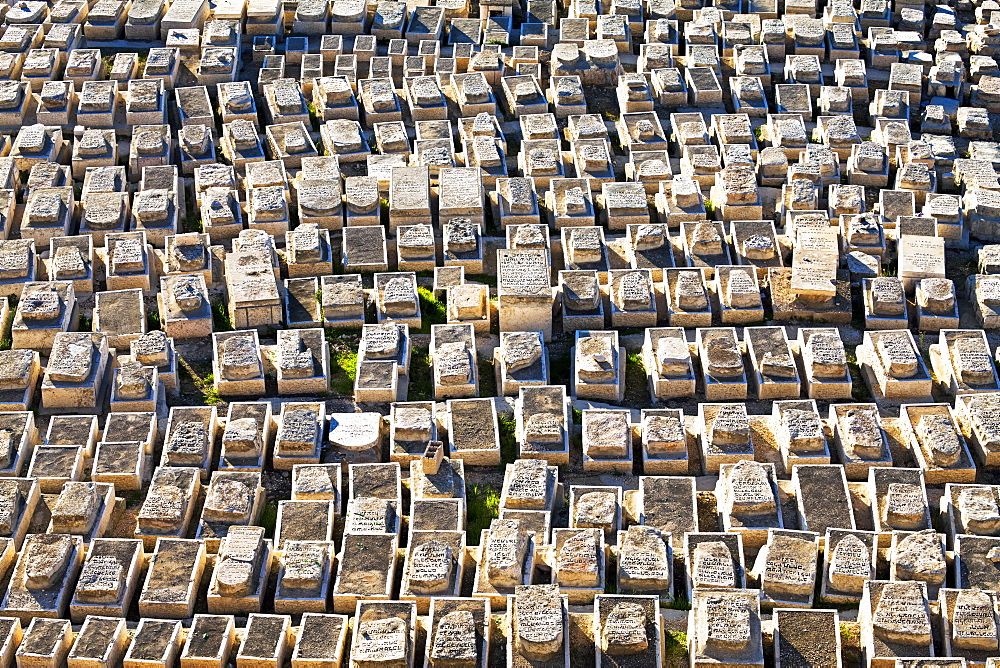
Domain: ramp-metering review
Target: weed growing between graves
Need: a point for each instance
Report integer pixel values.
(636, 385)
(508, 438)
(343, 369)
(221, 322)
(421, 377)
(432, 310)
(675, 652)
(483, 507)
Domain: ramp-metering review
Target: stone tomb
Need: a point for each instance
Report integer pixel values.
(977, 415)
(384, 634)
(822, 498)
(453, 350)
(775, 371)
(83, 509)
(396, 298)
(739, 294)
(598, 369)
(120, 315)
(246, 436)
(241, 571)
(173, 579)
(210, 641)
(413, 427)
(364, 249)
(433, 567)
(468, 303)
(962, 362)
(893, 367)
(667, 360)
(645, 562)
(302, 362)
(899, 500)
(749, 501)
(969, 621)
(520, 360)
(721, 363)
(895, 622)
(190, 437)
(101, 642)
(806, 637)
(343, 301)
(543, 420)
(317, 482)
(45, 642)
(725, 435)
(169, 504)
(800, 432)
(43, 310)
(77, 374)
(458, 633)
(607, 440)
(19, 373)
(627, 628)
(108, 579)
(21, 496)
(859, 439)
(539, 618)
(38, 587)
(320, 640)
(232, 498)
(304, 577)
(937, 443)
(596, 507)
(300, 434)
(524, 291)
(937, 305)
(724, 628)
(633, 298)
(267, 642)
(505, 561)
(971, 509)
(785, 569)
(824, 363)
(885, 303)
(128, 261)
(435, 476)
(156, 642)
(918, 556)
(581, 298)
(237, 365)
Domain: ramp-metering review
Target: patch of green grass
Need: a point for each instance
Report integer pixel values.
(343, 371)
(221, 322)
(487, 378)
(208, 391)
(343, 359)
(559, 364)
(421, 377)
(508, 437)
(192, 222)
(709, 207)
(483, 507)
(889, 269)
(501, 42)
(432, 310)
(859, 389)
(577, 416)
(153, 320)
(269, 517)
(488, 279)
(675, 652)
(636, 384)
(86, 324)
(678, 602)
(610, 115)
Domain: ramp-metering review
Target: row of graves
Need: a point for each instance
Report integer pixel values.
(393, 551)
